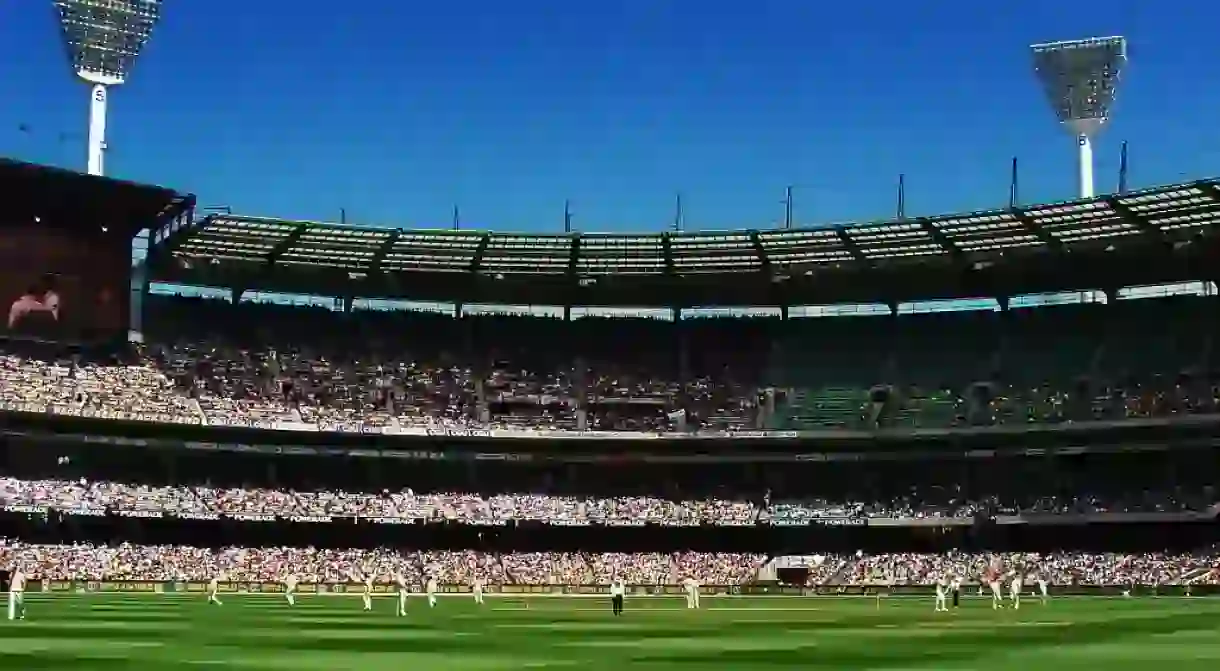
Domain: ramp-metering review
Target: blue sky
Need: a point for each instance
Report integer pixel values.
(396, 110)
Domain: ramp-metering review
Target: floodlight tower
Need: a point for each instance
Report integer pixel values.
(1080, 78)
(103, 38)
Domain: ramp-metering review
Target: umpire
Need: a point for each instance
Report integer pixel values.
(956, 586)
(617, 591)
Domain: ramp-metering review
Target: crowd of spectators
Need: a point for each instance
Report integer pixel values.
(252, 364)
(209, 362)
(423, 369)
(68, 495)
(235, 564)
(1062, 568)
(89, 562)
(470, 508)
(109, 390)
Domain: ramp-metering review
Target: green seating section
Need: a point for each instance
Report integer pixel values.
(827, 407)
(1036, 364)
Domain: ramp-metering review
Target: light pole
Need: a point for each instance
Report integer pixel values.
(1080, 78)
(103, 38)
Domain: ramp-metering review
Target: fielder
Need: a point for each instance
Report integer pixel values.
(430, 589)
(1043, 589)
(213, 589)
(400, 583)
(1014, 589)
(997, 594)
(942, 596)
(617, 592)
(692, 592)
(290, 589)
(476, 588)
(16, 595)
(367, 596)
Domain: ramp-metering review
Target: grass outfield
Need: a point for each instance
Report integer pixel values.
(105, 632)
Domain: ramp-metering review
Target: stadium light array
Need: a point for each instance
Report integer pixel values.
(1080, 78)
(104, 38)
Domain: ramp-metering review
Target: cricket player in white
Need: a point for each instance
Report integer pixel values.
(290, 589)
(618, 592)
(213, 588)
(400, 584)
(1014, 589)
(430, 589)
(942, 595)
(476, 588)
(1043, 588)
(997, 593)
(692, 592)
(16, 595)
(367, 596)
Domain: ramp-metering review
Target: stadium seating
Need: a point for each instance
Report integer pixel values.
(125, 561)
(210, 362)
(213, 362)
(931, 498)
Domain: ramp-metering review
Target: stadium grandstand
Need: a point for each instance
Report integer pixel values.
(782, 330)
(1049, 399)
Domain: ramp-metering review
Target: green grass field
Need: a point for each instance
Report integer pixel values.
(104, 632)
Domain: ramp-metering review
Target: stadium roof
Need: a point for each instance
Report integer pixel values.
(66, 198)
(1168, 228)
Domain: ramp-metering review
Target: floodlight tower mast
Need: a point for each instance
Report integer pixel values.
(1080, 78)
(103, 38)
